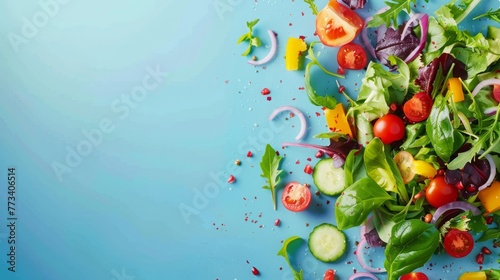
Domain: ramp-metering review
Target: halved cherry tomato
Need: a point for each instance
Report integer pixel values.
(337, 24)
(329, 274)
(458, 243)
(414, 276)
(496, 92)
(296, 197)
(439, 193)
(418, 108)
(352, 56)
(389, 128)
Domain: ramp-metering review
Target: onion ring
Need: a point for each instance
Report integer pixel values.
(298, 113)
(488, 82)
(493, 172)
(361, 260)
(424, 24)
(362, 274)
(460, 205)
(272, 51)
(490, 111)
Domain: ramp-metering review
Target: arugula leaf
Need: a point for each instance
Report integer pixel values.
(284, 253)
(270, 170)
(313, 6)
(325, 101)
(253, 41)
(493, 15)
(391, 14)
(459, 10)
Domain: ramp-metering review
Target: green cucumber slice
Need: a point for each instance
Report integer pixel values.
(328, 179)
(327, 243)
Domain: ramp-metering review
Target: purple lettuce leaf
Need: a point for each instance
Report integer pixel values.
(427, 74)
(391, 44)
(355, 4)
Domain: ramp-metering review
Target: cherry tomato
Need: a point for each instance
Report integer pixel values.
(418, 108)
(352, 56)
(496, 92)
(337, 24)
(389, 128)
(296, 197)
(458, 243)
(439, 193)
(329, 274)
(414, 276)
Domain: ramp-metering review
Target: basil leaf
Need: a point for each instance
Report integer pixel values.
(357, 201)
(411, 245)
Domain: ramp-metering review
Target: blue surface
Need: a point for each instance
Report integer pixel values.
(123, 120)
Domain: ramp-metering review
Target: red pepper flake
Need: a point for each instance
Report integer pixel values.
(292, 115)
(277, 222)
(290, 24)
(340, 71)
(341, 89)
(249, 154)
(485, 250)
(480, 258)
(319, 154)
(308, 169)
(255, 271)
(318, 114)
(308, 159)
(265, 91)
(269, 98)
(231, 179)
(226, 81)
(297, 162)
(301, 88)
(307, 224)
(489, 220)
(303, 14)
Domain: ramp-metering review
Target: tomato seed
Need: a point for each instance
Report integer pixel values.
(277, 222)
(485, 251)
(231, 179)
(255, 271)
(265, 91)
(480, 258)
(308, 169)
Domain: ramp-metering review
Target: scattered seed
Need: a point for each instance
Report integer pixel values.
(237, 162)
(231, 179)
(480, 258)
(265, 91)
(255, 271)
(485, 251)
(277, 222)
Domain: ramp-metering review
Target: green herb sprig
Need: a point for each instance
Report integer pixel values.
(313, 6)
(491, 14)
(253, 41)
(270, 170)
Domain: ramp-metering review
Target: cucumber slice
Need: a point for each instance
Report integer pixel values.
(328, 179)
(327, 243)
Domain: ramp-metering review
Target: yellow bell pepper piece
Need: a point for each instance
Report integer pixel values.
(479, 275)
(336, 120)
(294, 47)
(455, 86)
(424, 168)
(490, 197)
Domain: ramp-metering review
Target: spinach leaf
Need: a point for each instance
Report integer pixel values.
(411, 245)
(353, 167)
(440, 130)
(357, 201)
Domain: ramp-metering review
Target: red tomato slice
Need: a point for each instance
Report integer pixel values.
(439, 193)
(458, 243)
(418, 108)
(296, 197)
(389, 128)
(496, 92)
(414, 276)
(337, 24)
(329, 274)
(352, 56)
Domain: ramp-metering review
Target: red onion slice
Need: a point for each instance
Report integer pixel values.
(488, 82)
(362, 274)
(455, 205)
(364, 34)
(272, 51)
(490, 111)
(493, 172)
(298, 113)
(361, 260)
(409, 23)
(424, 24)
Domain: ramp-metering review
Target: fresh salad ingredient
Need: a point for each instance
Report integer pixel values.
(329, 180)
(496, 92)
(296, 197)
(270, 170)
(439, 193)
(362, 275)
(455, 87)
(389, 17)
(297, 275)
(336, 120)
(453, 207)
(272, 52)
(255, 271)
(418, 108)
(355, 4)
(411, 245)
(491, 14)
(424, 168)
(389, 128)
(404, 161)
(294, 49)
(479, 275)
(458, 243)
(296, 112)
(327, 243)
(361, 260)
(329, 274)
(352, 56)
(485, 83)
(337, 25)
(414, 276)
(253, 41)
(313, 6)
(490, 197)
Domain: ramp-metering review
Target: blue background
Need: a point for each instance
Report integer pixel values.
(147, 197)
